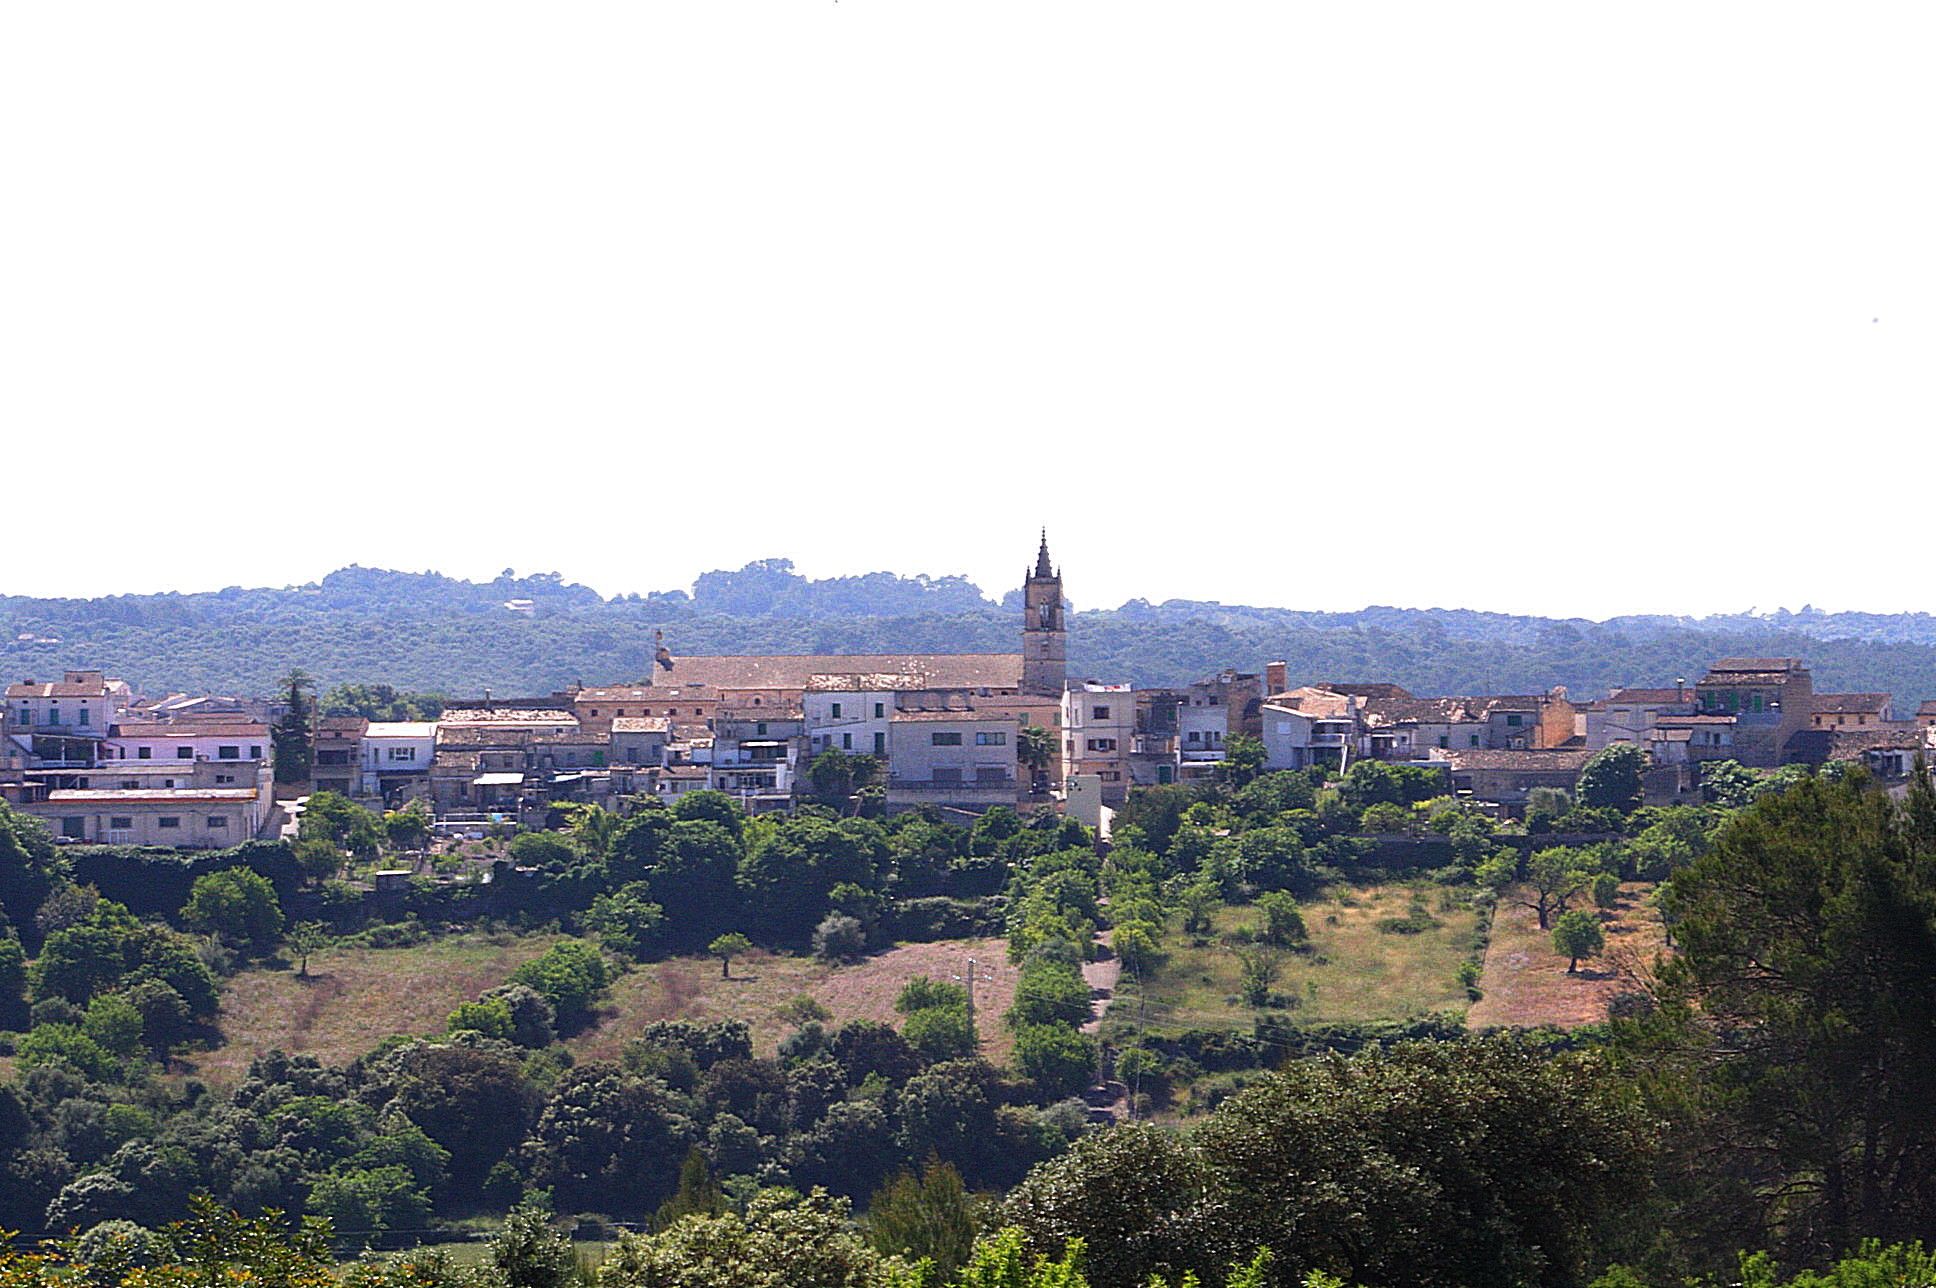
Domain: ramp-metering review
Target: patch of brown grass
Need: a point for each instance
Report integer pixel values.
(691, 988)
(354, 998)
(1525, 980)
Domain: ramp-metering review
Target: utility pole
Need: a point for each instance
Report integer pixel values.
(969, 980)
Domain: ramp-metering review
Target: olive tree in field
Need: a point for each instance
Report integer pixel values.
(727, 947)
(1578, 935)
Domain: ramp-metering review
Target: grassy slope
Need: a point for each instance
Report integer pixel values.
(356, 997)
(1526, 983)
(1355, 972)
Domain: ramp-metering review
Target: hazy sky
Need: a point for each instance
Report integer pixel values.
(1541, 307)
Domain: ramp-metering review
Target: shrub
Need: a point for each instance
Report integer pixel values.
(1059, 1060)
(839, 938)
(570, 976)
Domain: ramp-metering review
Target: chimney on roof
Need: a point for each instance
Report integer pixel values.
(1680, 688)
(1276, 678)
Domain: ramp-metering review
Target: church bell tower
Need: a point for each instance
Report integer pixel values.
(1045, 641)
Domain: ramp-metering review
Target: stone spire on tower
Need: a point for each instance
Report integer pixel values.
(1045, 641)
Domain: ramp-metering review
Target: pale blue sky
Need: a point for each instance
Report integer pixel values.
(1567, 309)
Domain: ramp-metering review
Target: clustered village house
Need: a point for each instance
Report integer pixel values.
(945, 730)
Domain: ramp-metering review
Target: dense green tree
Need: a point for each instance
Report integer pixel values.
(1554, 878)
(627, 922)
(1059, 1060)
(569, 975)
(1243, 761)
(608, 1141)
(1611, 779)
(1801, 1009)
(928, 1217)
(1577, 934)
(783, 1241)
(295, 753)
(238, 905)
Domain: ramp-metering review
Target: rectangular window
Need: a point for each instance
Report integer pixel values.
(846, 742)
(1099, 713)
(120, 823)
(950, 739)
(130, 784)
(1472, 740)
(224, 778)
(53, 715)
(991, 740)
(948, 776)
(836, 711)
(880, 710)
(168, 822)
(880, 744)
(85, 715)
(26, 715)
(990, 774)
(184, 753)
(1512, 720)
(228, 753)
(1102, 744)
(144, 753)
(217, 822)
(74, 829)
(255, 751)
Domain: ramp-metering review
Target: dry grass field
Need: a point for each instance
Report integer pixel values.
(356, 997)
(1525, 980)
(690, 988)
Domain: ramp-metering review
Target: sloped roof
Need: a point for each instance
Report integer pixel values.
(176, 732)
(1559, 760)
(1851, 703)
(794, 671)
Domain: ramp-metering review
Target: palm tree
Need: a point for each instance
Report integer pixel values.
(1035, 747)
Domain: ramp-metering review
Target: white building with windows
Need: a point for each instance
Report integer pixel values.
(197, 740)
(185, 817)
(394, 760)
(851, 713)
(1098, 731)
(964, 759)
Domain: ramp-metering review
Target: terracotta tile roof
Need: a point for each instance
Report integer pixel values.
(884, 682)
(1928, 707)
(1651, 697)
(507, 716)
(1559, 760)
(1757, 664)
(641, 724)
(1848, 744)
(793, 671)
(963, 714)
(1851, 703)
(342, 724)
(615, 693)
(1314, 703)
(177, 732)
(58, 690)
(1365, 690)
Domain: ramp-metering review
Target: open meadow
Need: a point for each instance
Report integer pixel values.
(1357, 968)
(1526, 982)
(355, 997)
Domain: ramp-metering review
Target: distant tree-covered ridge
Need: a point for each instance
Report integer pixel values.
(423, 632)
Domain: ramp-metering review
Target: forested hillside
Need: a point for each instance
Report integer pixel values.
(425, 631)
